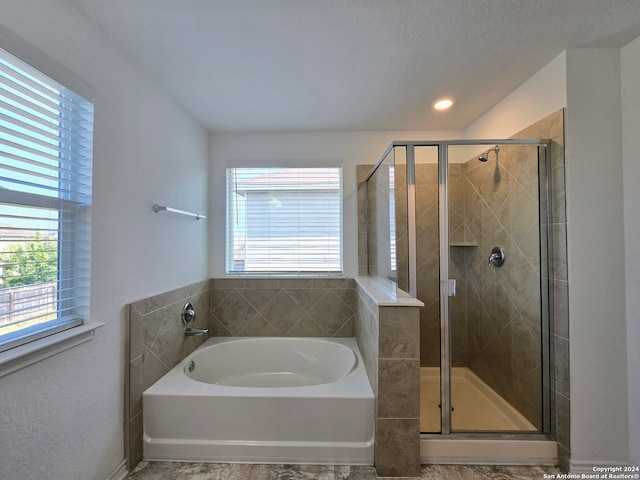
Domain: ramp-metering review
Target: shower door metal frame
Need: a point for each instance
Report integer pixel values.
(443, 226)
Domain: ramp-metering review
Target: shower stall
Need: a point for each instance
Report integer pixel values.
(464, 227)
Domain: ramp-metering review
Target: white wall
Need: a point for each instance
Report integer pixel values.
(630, 59)
(542, 94)
(596, 261)
(353, 148)
(62, 418)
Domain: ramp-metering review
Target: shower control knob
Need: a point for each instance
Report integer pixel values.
(497, 257)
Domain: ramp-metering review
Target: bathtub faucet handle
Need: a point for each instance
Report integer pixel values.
(188, 314)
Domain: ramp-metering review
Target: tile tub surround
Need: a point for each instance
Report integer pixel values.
(268, 307)
(388, 337)
(319, 307)
(155, 344)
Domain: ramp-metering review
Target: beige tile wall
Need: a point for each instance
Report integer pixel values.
(283, 307)
(552, 127)
(155, 344)
(503, 304)
(388, 338)
(368, 334)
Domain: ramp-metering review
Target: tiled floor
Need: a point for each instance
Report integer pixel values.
(227, 471)
(477, 472)
(238, 471)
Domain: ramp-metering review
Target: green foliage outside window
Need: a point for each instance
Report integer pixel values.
(31, 262)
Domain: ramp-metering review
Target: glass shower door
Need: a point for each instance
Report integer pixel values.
(428, 284)
(495, 318)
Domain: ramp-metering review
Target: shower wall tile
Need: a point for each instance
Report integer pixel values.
(498, 195)
(523, 383)
(430, 334)
(561, 308)
(563, 421)
(362, 172)
(428, 253)
(558, 212)
(561, 360)
(559, 250)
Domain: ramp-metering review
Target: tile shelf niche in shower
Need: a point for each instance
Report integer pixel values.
(463, 244)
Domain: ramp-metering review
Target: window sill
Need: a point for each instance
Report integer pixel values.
(30, 353)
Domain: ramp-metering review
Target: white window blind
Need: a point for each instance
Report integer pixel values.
(284, 220)
(45, 193)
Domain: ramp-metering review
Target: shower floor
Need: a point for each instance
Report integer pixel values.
(477, 407)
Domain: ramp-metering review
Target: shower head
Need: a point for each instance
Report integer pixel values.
(484, 156)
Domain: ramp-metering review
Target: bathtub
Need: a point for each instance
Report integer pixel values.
(263, 400)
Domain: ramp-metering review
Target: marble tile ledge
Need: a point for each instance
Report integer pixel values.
(384, 296)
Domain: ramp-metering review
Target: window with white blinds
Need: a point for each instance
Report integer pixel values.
(45, 194)
(284, 221)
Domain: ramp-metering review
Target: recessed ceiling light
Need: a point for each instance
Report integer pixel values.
(443, 103)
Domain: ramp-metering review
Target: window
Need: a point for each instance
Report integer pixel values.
(45, 193)
(284, 221)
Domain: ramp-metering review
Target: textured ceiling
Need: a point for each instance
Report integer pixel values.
(309, 65)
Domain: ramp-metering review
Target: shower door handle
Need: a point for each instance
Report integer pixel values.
(452, 287)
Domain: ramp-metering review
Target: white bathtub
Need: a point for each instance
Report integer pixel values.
(263, 400)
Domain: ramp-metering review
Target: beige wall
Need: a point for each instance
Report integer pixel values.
(595, 224)
(631, 169)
